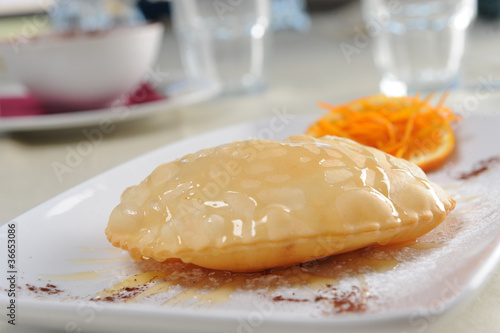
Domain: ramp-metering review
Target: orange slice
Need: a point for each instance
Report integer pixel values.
(407, 127)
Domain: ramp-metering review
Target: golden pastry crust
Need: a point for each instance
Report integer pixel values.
(257, 204)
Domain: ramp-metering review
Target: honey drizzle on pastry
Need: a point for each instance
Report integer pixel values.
(257, 204)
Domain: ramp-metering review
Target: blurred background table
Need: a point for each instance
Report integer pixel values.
(306, 68)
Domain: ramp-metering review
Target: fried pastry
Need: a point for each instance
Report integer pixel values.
(258, 204)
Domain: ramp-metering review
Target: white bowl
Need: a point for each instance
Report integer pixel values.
(84, 70)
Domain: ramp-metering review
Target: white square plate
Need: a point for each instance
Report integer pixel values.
(63, 260)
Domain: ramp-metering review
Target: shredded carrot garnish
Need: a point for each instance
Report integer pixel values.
(396, 125)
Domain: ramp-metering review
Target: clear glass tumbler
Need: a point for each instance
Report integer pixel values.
(225, 40)
(418, 45)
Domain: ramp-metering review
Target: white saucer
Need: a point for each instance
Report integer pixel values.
(179, 93)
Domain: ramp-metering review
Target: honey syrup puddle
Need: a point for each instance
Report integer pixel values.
(177, 283)
(174, 283)
(87, 275)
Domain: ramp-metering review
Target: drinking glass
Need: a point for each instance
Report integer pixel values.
(228, 41)
(418, 45)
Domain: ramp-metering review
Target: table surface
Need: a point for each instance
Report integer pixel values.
(306, 68)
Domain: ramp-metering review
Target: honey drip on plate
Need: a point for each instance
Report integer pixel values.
(335, 284)
(176, 283)
(89, 275)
